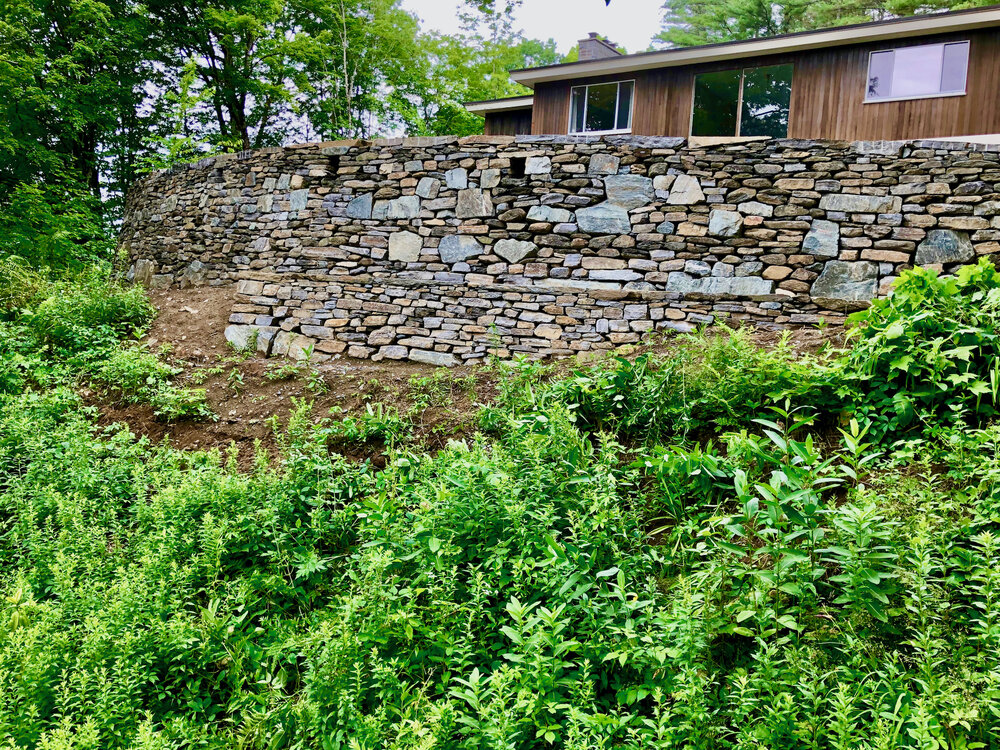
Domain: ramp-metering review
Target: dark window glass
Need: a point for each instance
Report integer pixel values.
(766, 96)
(602, 105)
(579, 97)
(716, 97)
(625, 105)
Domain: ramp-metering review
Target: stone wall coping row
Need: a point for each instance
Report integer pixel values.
(386, 280)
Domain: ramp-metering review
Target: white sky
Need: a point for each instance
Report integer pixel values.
(630, 23)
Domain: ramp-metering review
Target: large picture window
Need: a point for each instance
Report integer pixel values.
(917, 72)
(754, 101)
(602, 108)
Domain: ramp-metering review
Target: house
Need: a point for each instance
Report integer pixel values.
(930, 76)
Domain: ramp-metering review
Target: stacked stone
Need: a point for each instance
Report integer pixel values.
(445, 248)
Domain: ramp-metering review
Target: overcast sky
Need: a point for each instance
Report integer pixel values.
(630, 23)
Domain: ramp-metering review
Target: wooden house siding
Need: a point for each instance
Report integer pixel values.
(828, 95)
(515, 122)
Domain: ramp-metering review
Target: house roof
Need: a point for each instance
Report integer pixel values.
(509, 104)
(897, 28)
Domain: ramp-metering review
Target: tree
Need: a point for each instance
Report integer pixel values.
(473, 68)
(363, 70)
(243, 54)
(691, 22)
(73, 82)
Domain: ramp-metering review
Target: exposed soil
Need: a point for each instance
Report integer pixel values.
(247, 394)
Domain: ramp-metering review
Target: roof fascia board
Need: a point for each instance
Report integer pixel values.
(501, 105)
(847, 35)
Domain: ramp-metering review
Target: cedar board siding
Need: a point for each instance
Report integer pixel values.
(515, 122)
(828, 91)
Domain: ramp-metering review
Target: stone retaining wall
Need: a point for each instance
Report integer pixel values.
(443, 249)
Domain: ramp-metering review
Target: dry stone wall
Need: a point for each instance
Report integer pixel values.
(447, 249)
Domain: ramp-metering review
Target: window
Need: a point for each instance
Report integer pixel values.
(915, 72)
(601, 108)
(754, 101)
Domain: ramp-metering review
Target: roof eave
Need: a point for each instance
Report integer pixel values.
(845, 35)
(500, 105)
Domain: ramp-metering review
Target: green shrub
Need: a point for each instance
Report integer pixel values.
(21, 286)
(930, 351)
(90, 311)
(171, 403)
(138, 376)
(132, 370)
(709, 381)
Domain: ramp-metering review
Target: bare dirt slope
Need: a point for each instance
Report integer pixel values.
(246, 393)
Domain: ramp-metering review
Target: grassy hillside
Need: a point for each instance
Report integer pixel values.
(724, 547)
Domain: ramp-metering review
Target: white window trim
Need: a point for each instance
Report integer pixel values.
(915, 98)
(618, 93)
(938, 95)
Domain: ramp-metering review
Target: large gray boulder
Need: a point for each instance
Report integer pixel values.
(457, 179)
(298, 199)
(360, 207)
(724, 223)
(685, 191)
(629, 190)
(945, 246)
(603, 164)
(143, 271)
(741, 286)
(514, 251)
(473, 204)
(538, 165)
(823, 239)
(193, 275)
(438, 359)
(428, 188)
(604, 218)
(550, 214)
(406, 207)
(241, 338)
(861, 204)
(846, 281)
(456, 248)
(405, 247)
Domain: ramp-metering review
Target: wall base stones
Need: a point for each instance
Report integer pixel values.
(447, 323)
(444, 249)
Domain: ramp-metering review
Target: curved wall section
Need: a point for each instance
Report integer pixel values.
(445, 249)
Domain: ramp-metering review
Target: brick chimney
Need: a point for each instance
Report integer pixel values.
(595, 48)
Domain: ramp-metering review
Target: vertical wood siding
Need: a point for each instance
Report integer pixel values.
(517, 122)
(828, 92)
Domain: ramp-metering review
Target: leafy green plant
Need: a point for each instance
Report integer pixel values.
(88, 312)
(377, 422)
(866, 558)
(285, 371)
(929, 351)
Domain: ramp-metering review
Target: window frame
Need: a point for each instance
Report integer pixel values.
(739, 101)
(618, 94)
(915, 97)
